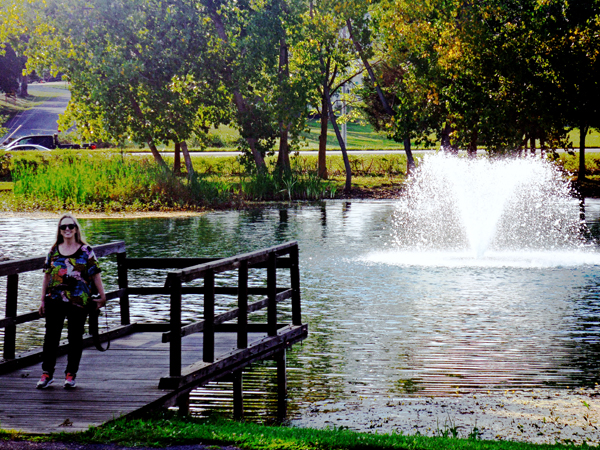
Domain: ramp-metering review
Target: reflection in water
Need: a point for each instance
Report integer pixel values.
(375, 329)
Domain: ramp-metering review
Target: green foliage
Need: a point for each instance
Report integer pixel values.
(99, 182)
(168, 430)
(492, 73)
(287, 185)
(95, 181)
(11, 66)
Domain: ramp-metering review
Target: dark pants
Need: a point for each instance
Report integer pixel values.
(56, 312)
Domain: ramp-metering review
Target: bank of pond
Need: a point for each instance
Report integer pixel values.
(106, 181)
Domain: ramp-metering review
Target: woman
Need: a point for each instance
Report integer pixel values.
(71, 273)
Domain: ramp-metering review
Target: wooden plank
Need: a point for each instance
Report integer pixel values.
(272, 295)
(295, 282)
(37, 262)
(122, 280)
(166, 263)
(196, 290)
(198, 327)
(182, 263)
(33, 356)
(125, 380)
(199, 372)
(225, 264)
(242, 314)
(109, 249)
(10, 333)
(208, 348)
(175, 320)
(108, 388)
(21, 265)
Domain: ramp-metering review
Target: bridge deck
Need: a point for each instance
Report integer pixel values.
(121, 381)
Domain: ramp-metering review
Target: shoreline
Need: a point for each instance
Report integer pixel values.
(538, 416)
(91, 215)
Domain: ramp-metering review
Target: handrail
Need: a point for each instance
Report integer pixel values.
(18, 266)
(12, 269)
(265, 258)
(283, 256)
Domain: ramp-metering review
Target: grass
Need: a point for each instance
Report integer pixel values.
(109, 181)
(166, 429)
(592, 140)
(359, 137)
(112, 181)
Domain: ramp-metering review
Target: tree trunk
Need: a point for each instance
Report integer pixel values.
(348, 186)
(24, 86)
(157, 156)
(238, 98)
(543, 145)
(140, 115)
(582, 135)
(177, 159)
(283, 158)
(323, 136)
(410, 161)
(472, 150)
(187, 158)
(446, 142)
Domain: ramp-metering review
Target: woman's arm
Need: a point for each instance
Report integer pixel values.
(97, 279)
(45, 283)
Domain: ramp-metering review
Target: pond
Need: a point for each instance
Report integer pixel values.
(379, 326)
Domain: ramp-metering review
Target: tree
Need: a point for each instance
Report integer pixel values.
(573, 51)
(11, 67)
(487, 69)
(359, 26)
(326, 53)
(134, 71)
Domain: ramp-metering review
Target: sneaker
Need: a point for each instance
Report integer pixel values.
(45, 381)
(69, 381)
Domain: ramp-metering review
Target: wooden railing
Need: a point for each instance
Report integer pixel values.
(284, 256)
(12, 269)
(271, 259)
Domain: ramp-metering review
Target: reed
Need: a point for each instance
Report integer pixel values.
(112, 181)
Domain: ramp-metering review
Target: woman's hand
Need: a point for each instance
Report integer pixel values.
(100, 303)
(42, 309)
(98, 282)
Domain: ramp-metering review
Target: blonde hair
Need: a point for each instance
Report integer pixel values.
(79, 237)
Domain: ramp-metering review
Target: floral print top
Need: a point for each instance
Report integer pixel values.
(71, 276)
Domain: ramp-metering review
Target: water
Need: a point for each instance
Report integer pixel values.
(384, 320)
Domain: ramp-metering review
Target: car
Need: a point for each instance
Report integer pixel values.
(23, 147)
(49, 141)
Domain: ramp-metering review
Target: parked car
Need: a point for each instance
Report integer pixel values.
(50, 141)
(19, 148)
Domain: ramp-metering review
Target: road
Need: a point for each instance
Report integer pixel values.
(43, 118)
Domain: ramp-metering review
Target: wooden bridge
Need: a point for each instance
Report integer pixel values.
(154, 365)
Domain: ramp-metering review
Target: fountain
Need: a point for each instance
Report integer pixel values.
(484, 212)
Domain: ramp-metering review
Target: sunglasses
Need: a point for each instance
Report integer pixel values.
(69, 226)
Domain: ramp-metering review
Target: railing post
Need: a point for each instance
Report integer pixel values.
(123, 284)
(272, 295)
(295, 280)
(10, 331)
(208, 352)
(242, 336)
(175, 346)
(281, 386)
(238, 395)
